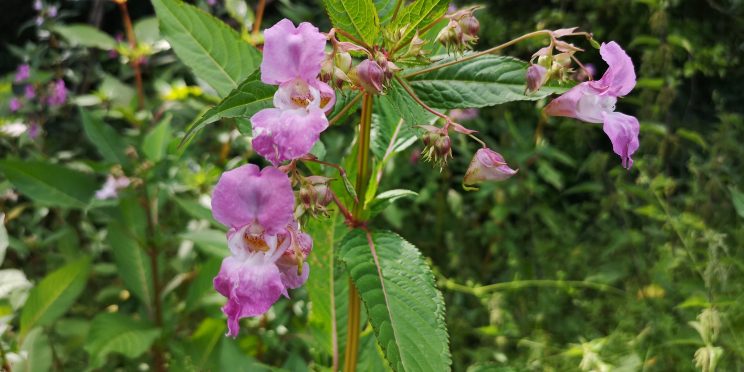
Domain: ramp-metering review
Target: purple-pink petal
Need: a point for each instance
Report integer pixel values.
(620, 77)
(281, 135)
(487, 165)
(247, 195)
(623, 131)
(292, 52)
(251, 287)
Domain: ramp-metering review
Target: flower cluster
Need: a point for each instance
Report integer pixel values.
(267, 248)
(594, 102)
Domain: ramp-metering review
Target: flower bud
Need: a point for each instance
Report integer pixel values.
(415, 47)
(563, 59)
(371, 76)
(451, 35)
(470, 25)
(487, 165)
(438, 145)
(315, 194)
(536, 77)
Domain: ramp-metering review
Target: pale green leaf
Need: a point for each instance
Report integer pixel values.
(85, 35)
(484, 81)
(418, 15)
(3, 238)
(357, 17)
(50, 184)
(54, 295)
(387, 198)
(404, 306)
(211, 242)
(106, 140)
(214, 51)
(118, 333)
(146, 30)
(202, 284)
(38, 353)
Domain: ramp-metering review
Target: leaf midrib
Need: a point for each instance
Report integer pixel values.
(47, 186)
(45, 306)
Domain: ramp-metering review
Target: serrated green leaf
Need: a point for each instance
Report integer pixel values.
(357, 17)
(418, 15)
(247, 99)
(214, 51)
(155, 144)
(118, 333)
(406, 107)
(484, 81)
(404, 306)
(85, 35)
(394, 120)
(132, 262)
(50, 184)
(54, 295)
(387, 198)
(108, 143)
(385, 10)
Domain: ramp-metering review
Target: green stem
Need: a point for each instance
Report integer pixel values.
(519, 284)
(363, 174)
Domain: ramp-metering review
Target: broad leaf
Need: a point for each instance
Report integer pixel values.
(484, 81)
(132, 262)
(155, 144)
(38, 353)
(106, 140)
(385, 9)
(214, 51)
(204, 342)
(85, 35)
(418, 15)
(394, 120)
(54, 295)
(387, 198)
(211, 242)
(404, 307)
(50, 184)
(357, 17)
(247, 99)
(118, 333)
(202, 284)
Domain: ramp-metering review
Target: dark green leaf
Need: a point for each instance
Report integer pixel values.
(108, 143)
(484, 81)
(418, 15)
(118, 333)
(132, 262)
(50, 184)
(404, 306)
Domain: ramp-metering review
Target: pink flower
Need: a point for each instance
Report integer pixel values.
(268, 250)
(536, 76)
(23, 72)
(487, 165)
(292, 59)
(594, 102)
(15, 104)
(29, 92)
(111, 187)
(371, 76)
(58, 97)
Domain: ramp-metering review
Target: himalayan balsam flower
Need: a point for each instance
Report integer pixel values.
(111, 187)
(23, 73)
(536, 76)
(58, 97)
(15, 104)
(29, 92)
(487, 165)
(292, 60)
(594, 102)
(266, 244)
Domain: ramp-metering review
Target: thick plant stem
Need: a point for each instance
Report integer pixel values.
(363, 174)
(152, 252)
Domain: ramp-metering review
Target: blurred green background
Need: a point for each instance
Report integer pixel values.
(573, 264)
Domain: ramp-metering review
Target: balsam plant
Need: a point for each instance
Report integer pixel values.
(392, 73)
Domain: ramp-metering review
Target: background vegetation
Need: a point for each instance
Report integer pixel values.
(573, 264)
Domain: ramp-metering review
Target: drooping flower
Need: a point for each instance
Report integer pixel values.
(29, 91)
(58, 96)
(111, 187)
(267, 248)
(34, 130)
(487, 165)
(536, 76)
(594, 102)
(292, 59)
(23, 73)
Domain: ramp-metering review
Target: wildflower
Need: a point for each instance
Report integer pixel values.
(38, 5)
(594, 102)
(23, 72)
(292, 59)
(315, 195)
(13, 129)
(58, 97)
(536, 77)
(437, 145)
(111, 187)
(487, 165)
(267, 248)
(34, 130)
(29, 92)
(463, 114)
(371, 76)
(15, 104)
